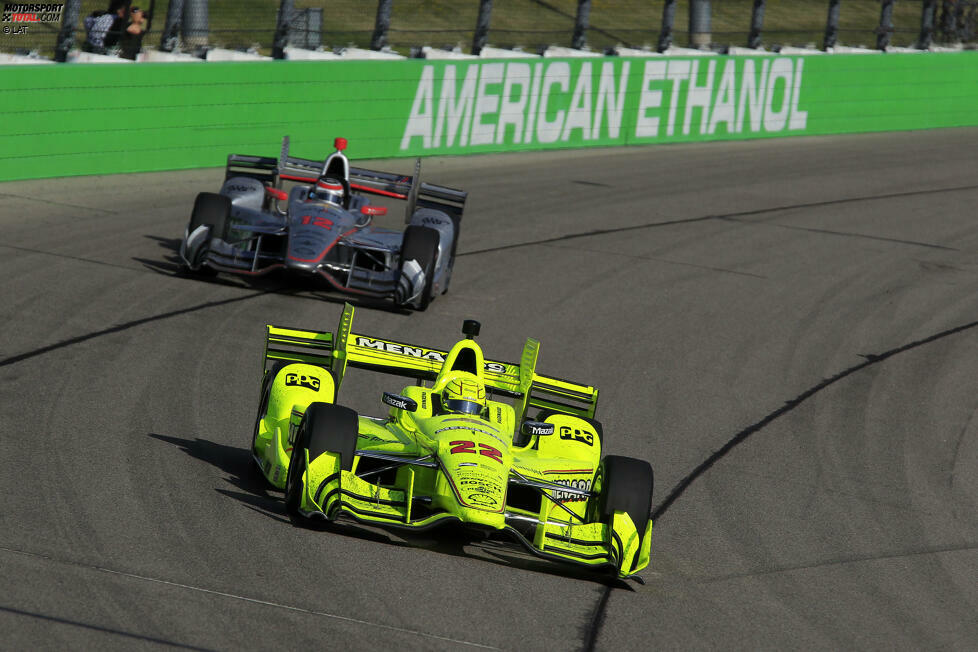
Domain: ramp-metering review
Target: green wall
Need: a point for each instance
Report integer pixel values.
(98, 118)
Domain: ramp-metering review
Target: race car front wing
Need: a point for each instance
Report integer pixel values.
(330, 492)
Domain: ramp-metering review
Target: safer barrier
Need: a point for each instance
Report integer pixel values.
(100, 119)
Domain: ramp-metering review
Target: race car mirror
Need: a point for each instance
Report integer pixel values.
(280, 195)
(404, 403)
(539, 428)
(374, 210)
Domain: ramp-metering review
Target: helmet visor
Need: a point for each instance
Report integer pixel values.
(462, 407)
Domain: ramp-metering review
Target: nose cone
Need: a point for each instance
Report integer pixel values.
(476, 474)
(311, 238)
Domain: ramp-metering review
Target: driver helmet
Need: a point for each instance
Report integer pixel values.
(464, 394)
(328, 190)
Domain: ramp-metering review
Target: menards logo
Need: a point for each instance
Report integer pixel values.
(32, 12)
(625, 100)
(416, 352)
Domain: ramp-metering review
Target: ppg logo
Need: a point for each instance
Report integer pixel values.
(301, 380)
(584, 436)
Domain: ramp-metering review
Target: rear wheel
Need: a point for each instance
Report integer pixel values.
(421, 244)
(324, 428)
(626, 486)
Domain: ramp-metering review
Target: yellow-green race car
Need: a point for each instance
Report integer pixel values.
(449, 450)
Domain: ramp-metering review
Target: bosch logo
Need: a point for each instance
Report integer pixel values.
(568, 497)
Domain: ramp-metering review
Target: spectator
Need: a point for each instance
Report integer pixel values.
(132, 39)
(104, 28)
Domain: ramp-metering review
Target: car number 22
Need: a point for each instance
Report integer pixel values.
(461, 446)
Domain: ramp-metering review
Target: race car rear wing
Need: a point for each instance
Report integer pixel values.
(346, 348)
(386, 184)
(262, 168)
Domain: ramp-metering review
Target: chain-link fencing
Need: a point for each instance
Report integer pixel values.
(466, 26)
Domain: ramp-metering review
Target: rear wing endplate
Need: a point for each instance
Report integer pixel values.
(346, 348)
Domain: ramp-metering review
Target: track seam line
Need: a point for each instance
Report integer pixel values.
(244, 598)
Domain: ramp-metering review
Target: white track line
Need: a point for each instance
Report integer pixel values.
(244, 598)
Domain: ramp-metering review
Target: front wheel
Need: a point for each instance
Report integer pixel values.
(212, 210)
(421, 244)
(325, 428)
(626, 486)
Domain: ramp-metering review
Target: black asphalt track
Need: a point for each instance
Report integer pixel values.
(787, 330)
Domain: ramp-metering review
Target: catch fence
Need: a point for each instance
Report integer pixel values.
(467, 26)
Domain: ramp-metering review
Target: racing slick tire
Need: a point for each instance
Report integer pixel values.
(213, 210)
(448, 274)
(325, 427)
(421, 244)
(266, 391)
(626, 486)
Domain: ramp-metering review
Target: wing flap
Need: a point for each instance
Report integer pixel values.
(347, 348)
(550, 393)
(298, 345)
(256, 167)
(421, 362)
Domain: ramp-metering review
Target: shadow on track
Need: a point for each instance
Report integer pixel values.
(740, 437)
(871, 359)
(51, 620)
(733, 217)
(236, 462)
(254, 492)
(275, 282)
(122, 327)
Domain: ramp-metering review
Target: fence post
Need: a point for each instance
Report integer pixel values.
(949, 21)
(66, 36)
(382, 25)
(579, 40)
(171, 30)
(481, 36)
(195, 24)
(756, 25)
(832, 25)
(699, 23)
(927, 25)
(886, 25)
(285, 11)
(668, 19)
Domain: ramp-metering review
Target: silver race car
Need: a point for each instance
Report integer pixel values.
(323, 226)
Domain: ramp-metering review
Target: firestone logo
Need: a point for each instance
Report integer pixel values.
(32, 12)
